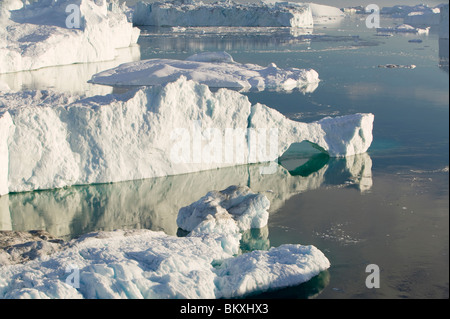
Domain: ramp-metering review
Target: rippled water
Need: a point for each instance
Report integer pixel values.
(388, 207)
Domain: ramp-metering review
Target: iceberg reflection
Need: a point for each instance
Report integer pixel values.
(154, 203)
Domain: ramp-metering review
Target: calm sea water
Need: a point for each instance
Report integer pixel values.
(389, 207)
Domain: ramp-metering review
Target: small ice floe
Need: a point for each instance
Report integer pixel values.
(139, 264)
(397, 66)
(415, 41)
(215, 69)
(404, 28)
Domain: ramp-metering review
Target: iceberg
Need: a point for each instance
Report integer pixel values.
(402, 11)
(443, 23)
(405, 28)
(215, 69)
(231, 14)
(52, 140)
(423, 18)
(38, 36)
(139, 264)
(136, 264)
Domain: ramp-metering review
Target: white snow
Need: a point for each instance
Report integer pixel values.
(127, 204)
(146, 264)
(199, 14)
(323, 14)
(215, 69)
(56, 140)
(37, 36)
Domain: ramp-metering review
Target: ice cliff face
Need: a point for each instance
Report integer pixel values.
(53, 140)
(198, 14)
(38, 36)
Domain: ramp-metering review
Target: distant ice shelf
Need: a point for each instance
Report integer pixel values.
(215, 69)
(199, 14)
(52, 140)
(37, 36)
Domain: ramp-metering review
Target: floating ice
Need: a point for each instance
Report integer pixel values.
(37, 36)
(199, 14)
(239, 205)
(397, 66)
(405, 28)
(423, 18)
(147, 264)
(215, 69)
(52, 140)
(402, 11)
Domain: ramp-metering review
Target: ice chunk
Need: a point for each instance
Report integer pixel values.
(199, 14)
(54, 140)
(215, 69)
(37, 35)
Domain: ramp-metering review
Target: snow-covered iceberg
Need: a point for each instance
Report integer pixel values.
(402, 11)
(215, 69)
(423, 18)
(38, 35)
(323, 14)
(138, 264)
(198, 14)
(52, 140)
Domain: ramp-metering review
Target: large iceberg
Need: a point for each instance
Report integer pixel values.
(51, 140)
(198, 14)
(215, 69)
(38, 35)
(147, 264)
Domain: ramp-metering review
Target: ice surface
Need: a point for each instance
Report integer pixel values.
(422, 18)
(198, 14)
(215, 69)
(53, 140)
(37, 36)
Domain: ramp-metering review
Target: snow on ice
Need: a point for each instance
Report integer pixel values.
(147, 264)
(37, 36)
